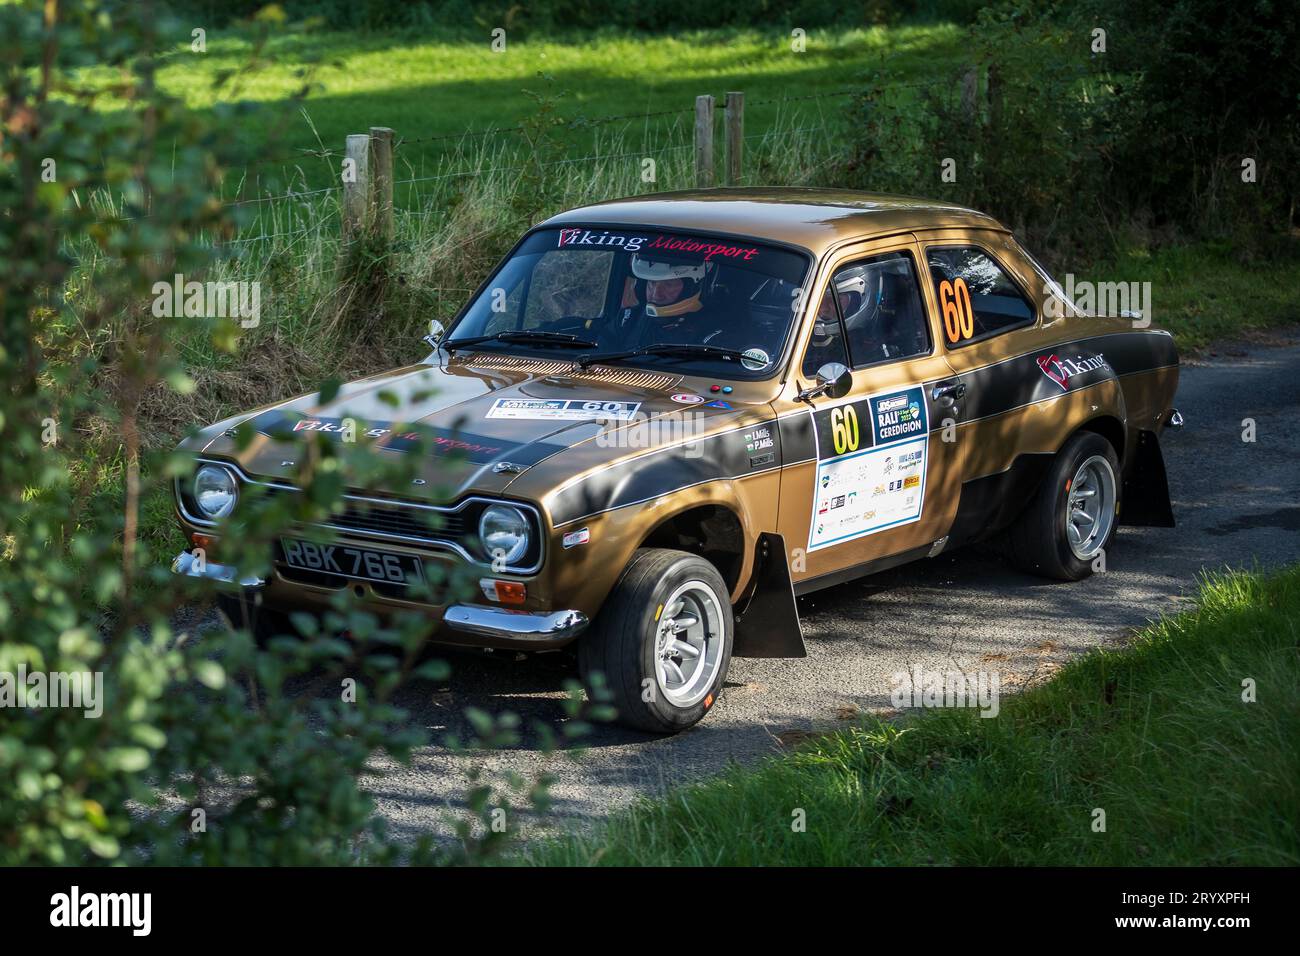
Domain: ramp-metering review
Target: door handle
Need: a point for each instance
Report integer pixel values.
(945, 393)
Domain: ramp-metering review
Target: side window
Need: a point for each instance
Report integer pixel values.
(977, 299)
(827, 342)
(884, 318)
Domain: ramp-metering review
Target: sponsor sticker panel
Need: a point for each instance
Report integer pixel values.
(568, 410)
(872, 456)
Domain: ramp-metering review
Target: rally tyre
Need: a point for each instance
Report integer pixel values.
(1069, 523)
(263, 623)
(662, 642)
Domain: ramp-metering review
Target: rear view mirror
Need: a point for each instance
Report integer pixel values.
(436, 332)
(834, 380)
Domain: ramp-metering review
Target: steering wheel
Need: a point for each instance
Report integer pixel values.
(574, 324)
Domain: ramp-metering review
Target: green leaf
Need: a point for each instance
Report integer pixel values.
(127, 759)
(329, 390)
(210, 674)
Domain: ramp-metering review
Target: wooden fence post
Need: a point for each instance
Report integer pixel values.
(381, 174)
(356, 186)
(735, 120)
(704, 141)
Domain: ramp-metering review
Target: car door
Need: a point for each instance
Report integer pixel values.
(989, 313)
(868, 478)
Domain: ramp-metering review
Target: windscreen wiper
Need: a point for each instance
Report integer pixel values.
(684, 349)
(525, 336)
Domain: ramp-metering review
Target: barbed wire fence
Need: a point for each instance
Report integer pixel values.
(363, 199)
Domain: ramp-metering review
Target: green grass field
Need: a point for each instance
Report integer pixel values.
(1156, 734)
(424, 86)
(434, 89)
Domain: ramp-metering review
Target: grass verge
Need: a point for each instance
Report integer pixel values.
(1155, 733)
(1204, 291)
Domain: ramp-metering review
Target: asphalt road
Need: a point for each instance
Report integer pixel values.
(1237, 503)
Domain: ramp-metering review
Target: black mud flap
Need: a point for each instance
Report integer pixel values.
(1146, 489)
(769, 624)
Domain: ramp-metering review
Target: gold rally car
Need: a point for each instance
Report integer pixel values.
(662, 418)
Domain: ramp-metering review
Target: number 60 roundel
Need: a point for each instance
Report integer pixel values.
(958, 316)
(844, 429)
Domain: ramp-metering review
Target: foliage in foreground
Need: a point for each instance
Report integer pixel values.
(180, 747)
(1156, 734)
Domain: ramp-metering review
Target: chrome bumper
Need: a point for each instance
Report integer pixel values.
(185, 564)
(522, 629)
(540, 628)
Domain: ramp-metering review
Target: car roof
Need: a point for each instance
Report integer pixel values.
(815, 219)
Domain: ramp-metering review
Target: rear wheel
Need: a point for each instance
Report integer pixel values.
(1071, 519)
(661, 645)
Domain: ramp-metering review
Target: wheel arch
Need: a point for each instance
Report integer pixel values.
(755, 570)
(1108, 427)
(711, 530)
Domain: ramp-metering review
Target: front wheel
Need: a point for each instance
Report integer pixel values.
(1071, 519)
(242, 612)
(662, 642)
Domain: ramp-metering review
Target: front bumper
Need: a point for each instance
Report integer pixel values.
(480, 625)
(531, 628)
(186, 564)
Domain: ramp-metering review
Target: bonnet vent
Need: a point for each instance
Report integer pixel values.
(635, 378)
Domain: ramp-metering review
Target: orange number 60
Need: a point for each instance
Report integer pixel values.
(958, 316)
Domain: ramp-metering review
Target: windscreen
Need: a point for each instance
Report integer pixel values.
(611, 291)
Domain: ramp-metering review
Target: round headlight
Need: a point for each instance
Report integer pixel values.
(503, 529)
(215, 491)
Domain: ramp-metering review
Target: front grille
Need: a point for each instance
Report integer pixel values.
(408, 523)
(392, 520)
(374, 517)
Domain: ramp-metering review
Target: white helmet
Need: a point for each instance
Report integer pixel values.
(658, 271)
(851, 283)
(692, 275)
(825, 327)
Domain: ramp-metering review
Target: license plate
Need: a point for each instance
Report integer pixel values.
(364, 563)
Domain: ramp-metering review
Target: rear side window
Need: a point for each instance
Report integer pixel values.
(977, 299)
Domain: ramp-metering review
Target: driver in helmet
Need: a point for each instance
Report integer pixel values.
(826, 344)
(674, 309)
